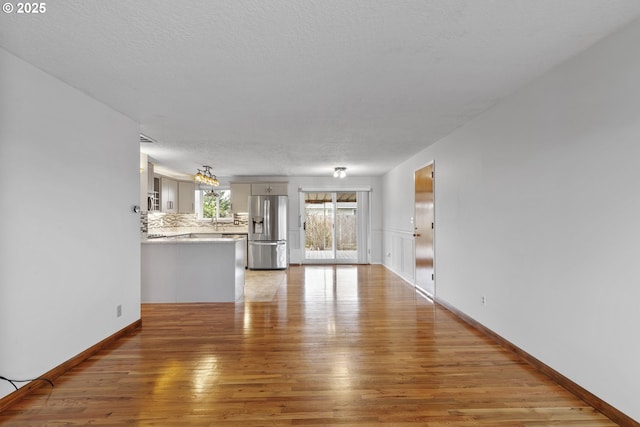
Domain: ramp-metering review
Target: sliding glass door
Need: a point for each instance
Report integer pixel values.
(330, 227)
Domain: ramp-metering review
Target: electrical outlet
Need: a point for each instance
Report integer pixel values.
(119, 311)
(484, 301)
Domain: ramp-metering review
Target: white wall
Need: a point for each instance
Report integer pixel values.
(69, 240)
(398, 250)
(537, 208)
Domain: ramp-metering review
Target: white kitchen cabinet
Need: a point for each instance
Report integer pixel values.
(168, 195)
(150, 194)
(144, 184)
(154, 194)
(186, 197)
(150, 178)
(171, 270)
(270, 189)
(159, 272)
(240, 193)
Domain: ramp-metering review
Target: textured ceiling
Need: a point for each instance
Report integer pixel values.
(297, 87)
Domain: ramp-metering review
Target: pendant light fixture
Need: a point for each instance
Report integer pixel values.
(340, 172)
(205, 176)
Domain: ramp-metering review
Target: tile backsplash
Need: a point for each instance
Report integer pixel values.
(170, 220)
(144, 222)
(153, 222)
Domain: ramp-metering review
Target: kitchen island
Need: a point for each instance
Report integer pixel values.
(192, 268)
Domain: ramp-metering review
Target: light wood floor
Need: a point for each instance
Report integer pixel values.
(336, 346)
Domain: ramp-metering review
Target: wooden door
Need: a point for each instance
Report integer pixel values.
(424, 229)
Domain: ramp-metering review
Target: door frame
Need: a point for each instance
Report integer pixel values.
(362, 246)
(334, 211)
(431, 163)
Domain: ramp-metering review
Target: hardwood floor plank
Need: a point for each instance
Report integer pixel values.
(336, 345)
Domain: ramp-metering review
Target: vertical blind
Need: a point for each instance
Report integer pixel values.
(363, 227)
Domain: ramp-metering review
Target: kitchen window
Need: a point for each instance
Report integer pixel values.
(214, 205)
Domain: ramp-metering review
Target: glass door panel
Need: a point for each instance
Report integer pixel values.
(330, 227)
(318, 226)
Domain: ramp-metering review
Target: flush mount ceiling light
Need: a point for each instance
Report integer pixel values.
(340, 172)
(205, 176)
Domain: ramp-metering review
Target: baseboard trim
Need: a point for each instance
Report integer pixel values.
(609, 411)
(61, 369)
(404, 278)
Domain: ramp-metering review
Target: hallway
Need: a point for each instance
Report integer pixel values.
(337, 345)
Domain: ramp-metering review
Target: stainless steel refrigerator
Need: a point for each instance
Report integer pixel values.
(268, 232)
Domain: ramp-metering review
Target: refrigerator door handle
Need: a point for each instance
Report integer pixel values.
(267, 217)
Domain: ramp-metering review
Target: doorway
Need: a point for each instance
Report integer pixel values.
(330, 227)
(424, 229)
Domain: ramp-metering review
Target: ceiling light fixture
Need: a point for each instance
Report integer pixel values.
(340, 172)
(205, 176)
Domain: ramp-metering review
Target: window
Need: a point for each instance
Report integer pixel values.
(214, 205)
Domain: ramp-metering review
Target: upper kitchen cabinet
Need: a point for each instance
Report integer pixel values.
(151, 187)
(168, 195)
(240, 193)
(153, 190)
(270, 188)
(186, 197)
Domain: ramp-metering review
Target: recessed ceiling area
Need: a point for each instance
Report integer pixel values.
(282, 88)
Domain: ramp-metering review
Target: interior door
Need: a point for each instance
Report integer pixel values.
(424, 229)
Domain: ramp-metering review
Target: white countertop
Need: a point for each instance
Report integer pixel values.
(221, 229)
(191, 240)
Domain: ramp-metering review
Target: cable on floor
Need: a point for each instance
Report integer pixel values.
(13, 382)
